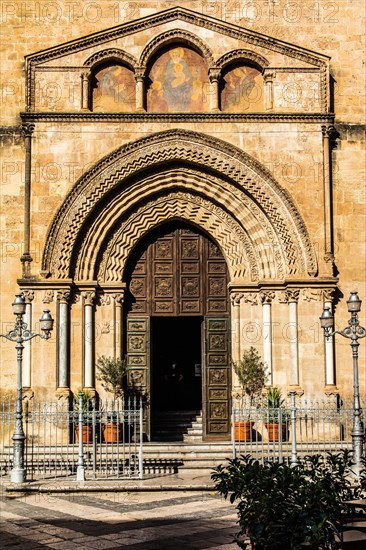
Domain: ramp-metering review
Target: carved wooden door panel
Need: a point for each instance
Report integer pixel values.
(217, 372)
(179, 271)
(138, 361)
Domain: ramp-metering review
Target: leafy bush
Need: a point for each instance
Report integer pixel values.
(110, 372)
(289, 508)
(251, 373)
(275, 405)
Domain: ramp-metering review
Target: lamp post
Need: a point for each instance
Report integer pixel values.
(353, 331)
(19, 334)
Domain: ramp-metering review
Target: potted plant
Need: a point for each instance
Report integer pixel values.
(111, 372)
(251, 373)
(87, 408)
(276, 417)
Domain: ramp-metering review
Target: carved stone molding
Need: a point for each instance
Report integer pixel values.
(119, 298)
(175, 35)
(311, 294)
(328, 294)
(203, 151)
(242, 55)
(104, 299)
(111, 54)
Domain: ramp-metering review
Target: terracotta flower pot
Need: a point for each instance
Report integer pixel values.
(112, 432)
(243, 430)
(274, 431)
(87, 433)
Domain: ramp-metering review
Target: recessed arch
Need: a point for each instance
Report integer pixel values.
(175, 36)
(242, 55)
(122, 173)
(110, 55)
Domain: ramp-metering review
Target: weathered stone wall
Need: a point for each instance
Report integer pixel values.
(61, 153)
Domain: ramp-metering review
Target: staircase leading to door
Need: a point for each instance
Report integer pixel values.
(177, 426)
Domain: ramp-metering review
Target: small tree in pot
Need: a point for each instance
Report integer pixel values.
(111, 372)
(276, 417)
(251, 373)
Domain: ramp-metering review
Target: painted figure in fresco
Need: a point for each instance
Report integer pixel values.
(243, 90)
(179, 79)
(115, 90)
(177, 82)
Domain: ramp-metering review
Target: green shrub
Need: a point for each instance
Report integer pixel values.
(289, 508)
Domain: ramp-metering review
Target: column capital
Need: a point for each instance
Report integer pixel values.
(27, 129)
(328, 294)
(269, 75)
(266, 296)
(89, 297)
(48, 296)
(214, 74)
(328, 131)
(63, 296)
(236, 297)
(28, 296)
(140, 74)
(292, 295)
(119, 298)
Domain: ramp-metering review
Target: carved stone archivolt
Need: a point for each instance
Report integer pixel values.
(258, 203)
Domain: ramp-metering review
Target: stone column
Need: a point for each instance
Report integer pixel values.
(27, 362)
(26, 259)
(266, 298)
(235, 298)
(268, 78)
(140, 89)
(118, 311)
(89, 297)
(214, 76)
(63, 351)
(330, 381)
(292, 297)
(327, 132)
(85, 91)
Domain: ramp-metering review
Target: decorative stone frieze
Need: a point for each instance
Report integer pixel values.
(48, 296)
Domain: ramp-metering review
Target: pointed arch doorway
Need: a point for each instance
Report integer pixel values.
(177, 327)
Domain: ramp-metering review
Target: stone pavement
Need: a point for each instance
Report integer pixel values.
(94, 515)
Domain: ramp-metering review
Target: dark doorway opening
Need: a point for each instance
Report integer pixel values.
(176, 374)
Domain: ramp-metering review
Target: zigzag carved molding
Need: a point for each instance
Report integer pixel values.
(199, 151)
(223, 203)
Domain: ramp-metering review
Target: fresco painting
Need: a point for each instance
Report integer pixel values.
(243, 90)
(114, 90)
(179, 82)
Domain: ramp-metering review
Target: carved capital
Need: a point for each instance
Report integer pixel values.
(118, 298)
(214, 74)
(329, 131)
(89, 297)
(63, 296)
(28, 296)
(140, 74)
(292, 295)
(328, 294)
(266, 296)
(269, 75)
(48, 296)
(250, 298)
(27, 130)
(235, 298)
(63, 393)
(105, 300)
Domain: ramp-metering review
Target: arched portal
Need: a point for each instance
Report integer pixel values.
(177, 311)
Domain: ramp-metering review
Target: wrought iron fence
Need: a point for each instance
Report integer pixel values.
(299, 427)
(111, 444)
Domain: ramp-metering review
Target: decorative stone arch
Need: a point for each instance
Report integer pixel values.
(242, 55)
(121, 175)
(172, 36)
(111, 54)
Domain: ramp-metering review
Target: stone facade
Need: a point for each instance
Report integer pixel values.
(277, 182)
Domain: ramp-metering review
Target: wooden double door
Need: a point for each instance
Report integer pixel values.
(178, 329)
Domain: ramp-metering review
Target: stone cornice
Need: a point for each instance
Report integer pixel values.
(65, 117)
(188, 16)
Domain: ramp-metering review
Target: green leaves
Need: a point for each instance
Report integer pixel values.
(289, 508)
(110, 372)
